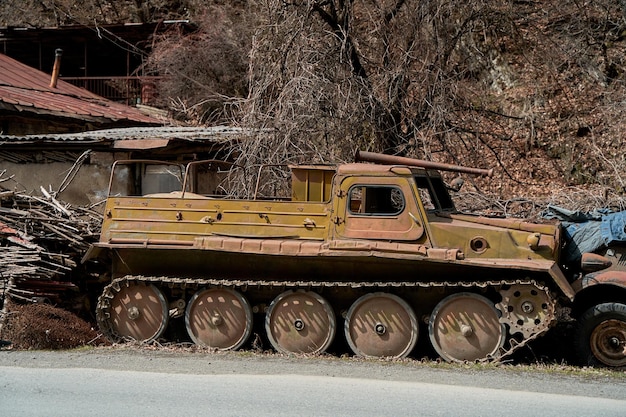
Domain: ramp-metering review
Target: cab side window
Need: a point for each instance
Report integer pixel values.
(376, 200)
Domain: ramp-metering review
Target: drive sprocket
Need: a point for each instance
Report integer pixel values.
(526, 308)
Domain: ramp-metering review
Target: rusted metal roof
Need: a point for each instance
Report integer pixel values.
(25, 89)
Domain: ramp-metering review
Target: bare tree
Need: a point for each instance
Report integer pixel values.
(41, 13)
(475, 83)
(205, 73)
(393, 68)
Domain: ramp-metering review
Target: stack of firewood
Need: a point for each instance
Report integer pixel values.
(41, 243)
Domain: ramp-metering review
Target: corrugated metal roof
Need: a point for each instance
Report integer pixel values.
(23, 88)
(135, 134)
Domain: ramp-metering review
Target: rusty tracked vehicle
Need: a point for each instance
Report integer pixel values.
(372, 256)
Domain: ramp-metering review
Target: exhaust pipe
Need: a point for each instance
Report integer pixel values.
(379, 158)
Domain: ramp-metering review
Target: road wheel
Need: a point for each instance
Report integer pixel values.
(601, 336)
(300, 322)
(466, 327)
(381, 325)
(134, 311)
(219, 318)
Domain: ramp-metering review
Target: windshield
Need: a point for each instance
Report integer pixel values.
(433, 193)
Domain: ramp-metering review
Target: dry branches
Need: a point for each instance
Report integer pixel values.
(534, 93)
(571, 198)
(205, 73)
(41, 243)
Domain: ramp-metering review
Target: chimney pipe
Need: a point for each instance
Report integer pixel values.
(57, 67)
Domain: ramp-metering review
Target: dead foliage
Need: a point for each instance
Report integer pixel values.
(46, 13)
(581, 199)
(43, 326)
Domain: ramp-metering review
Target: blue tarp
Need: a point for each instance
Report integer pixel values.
(588, 232)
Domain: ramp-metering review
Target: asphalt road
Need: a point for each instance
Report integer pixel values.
(143, 382)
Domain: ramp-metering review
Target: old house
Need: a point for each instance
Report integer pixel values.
(62, 137)
(65, 138)
(108, 60)
(32, 102)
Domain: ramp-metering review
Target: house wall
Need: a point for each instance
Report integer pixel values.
(19, 126)
(88, 187)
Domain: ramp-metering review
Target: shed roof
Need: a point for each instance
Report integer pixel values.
(25, 89)
(135, 137)
(151, 142)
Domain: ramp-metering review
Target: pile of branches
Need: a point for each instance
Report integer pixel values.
(41, 243)
(577, 199)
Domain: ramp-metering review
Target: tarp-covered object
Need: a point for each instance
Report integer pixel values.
(588, 232)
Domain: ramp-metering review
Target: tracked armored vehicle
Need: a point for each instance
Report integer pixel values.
(373, 257)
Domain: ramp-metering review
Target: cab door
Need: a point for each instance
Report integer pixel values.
(377, 208)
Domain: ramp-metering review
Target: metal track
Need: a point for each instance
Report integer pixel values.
(103, 315)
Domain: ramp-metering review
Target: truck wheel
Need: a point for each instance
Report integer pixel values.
(601, 336)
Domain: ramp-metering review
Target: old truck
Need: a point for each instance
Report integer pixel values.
(370, 256)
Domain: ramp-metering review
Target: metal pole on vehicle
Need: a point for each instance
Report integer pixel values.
(379, 158)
